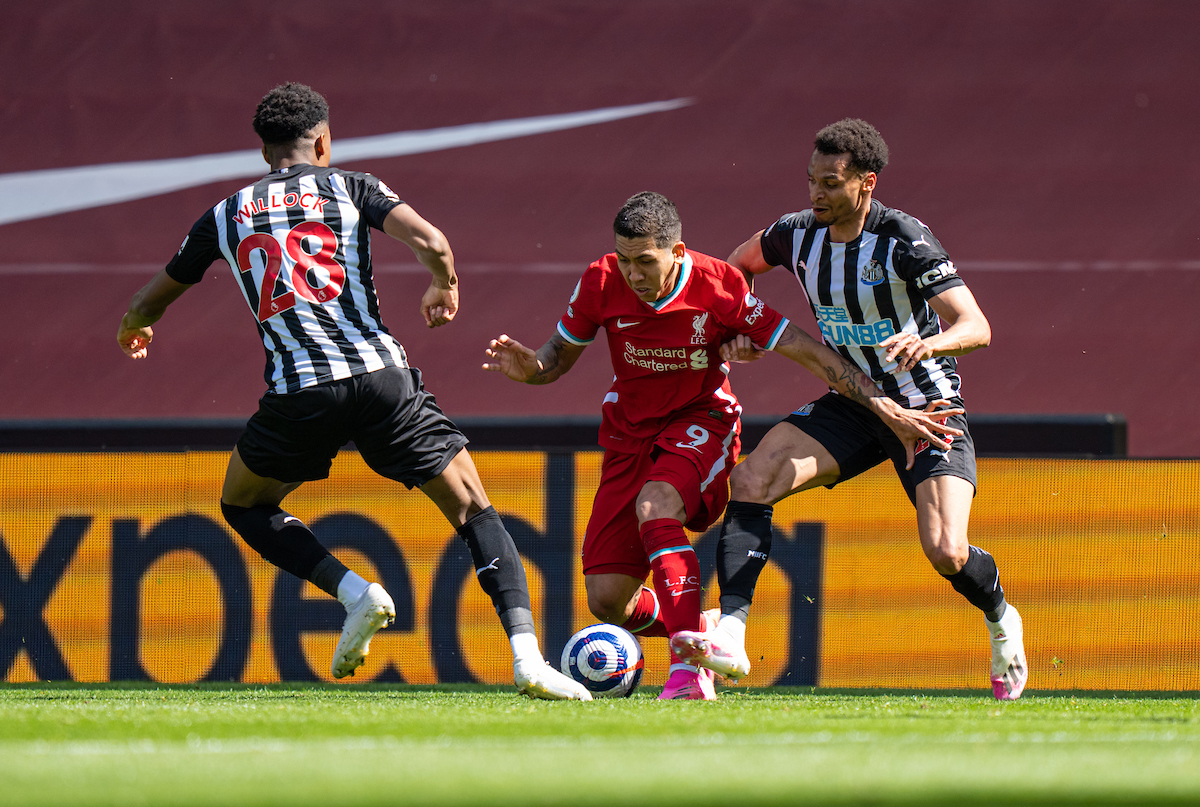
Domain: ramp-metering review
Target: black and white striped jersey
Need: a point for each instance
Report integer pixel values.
(298, 242)
(864, 291)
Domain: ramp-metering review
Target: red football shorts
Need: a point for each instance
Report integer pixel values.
(693, 454)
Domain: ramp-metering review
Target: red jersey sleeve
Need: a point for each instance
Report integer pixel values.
(582, 319)
(749, 315)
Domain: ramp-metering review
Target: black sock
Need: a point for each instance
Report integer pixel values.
(979, 581)
(742, 552)
(285, 541)
(499, 569)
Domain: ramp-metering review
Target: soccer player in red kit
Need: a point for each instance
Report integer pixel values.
(671, 425)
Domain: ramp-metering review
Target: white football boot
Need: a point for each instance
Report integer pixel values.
(373, 611)
(1009, 670)
(537, 679)
(718, 648)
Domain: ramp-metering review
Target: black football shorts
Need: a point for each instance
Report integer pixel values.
(858, 440)
(394, 423)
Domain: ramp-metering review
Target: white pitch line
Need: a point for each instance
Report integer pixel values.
(279, 745)
(577, 267)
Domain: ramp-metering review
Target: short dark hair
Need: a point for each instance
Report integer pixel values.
(649, 214)
(868, 153)
(288, 113)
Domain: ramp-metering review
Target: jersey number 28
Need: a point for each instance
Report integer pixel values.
(315, 276)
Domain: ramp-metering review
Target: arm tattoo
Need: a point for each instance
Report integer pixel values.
(840, 374)
(852, 382)
(550, 361)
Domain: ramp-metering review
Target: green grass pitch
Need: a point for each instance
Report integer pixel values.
(361, 745)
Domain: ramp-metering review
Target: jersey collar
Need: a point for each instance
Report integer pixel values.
(685, 271)
(873, 217)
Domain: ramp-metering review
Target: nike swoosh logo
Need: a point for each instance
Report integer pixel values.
(626, 324)
(34, 194)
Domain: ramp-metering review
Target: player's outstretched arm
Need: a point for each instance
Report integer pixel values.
(520, 363)
(967, 330)
(145, 309)
(910, 425)
(439, 304)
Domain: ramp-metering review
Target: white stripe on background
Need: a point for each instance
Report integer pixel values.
(35, 194)
(576, 268)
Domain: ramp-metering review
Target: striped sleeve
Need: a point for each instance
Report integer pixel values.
(197, 252)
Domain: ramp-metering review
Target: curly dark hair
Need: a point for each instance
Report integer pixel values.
(288, 113)
(868, 153)
(649, 214)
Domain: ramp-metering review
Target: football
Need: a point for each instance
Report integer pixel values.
(606, 659)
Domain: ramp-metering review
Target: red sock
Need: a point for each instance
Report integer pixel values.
(645, 619)
(675, 571)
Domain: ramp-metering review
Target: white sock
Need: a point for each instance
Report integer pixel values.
(733, 626)
(351, 589)
(525, 649)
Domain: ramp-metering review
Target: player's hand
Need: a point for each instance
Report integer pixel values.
(912, 425)
(741, 349)
(439, 305)
(510, 357)
(135, 342)
(907, 349)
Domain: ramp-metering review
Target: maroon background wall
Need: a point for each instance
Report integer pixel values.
(1050, 146)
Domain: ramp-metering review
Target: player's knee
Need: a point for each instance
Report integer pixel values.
(947, 557)
(606, 601)
(606, 607)
(747, 484)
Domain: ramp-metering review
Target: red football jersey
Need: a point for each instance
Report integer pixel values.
(665, 354)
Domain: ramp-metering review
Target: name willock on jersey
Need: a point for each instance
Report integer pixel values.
(298, 243)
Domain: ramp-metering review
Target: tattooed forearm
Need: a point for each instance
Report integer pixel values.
(850, 381)
(553, 360)
(827, 364)
(793, 338)
(548, 365)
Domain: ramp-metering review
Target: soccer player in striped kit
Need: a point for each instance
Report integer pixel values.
(880, 286)
(671, 424)
(298, 242)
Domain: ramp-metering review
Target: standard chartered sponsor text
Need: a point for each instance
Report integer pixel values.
(649, 357)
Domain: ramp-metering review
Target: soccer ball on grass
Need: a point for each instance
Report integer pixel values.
(606, 659)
